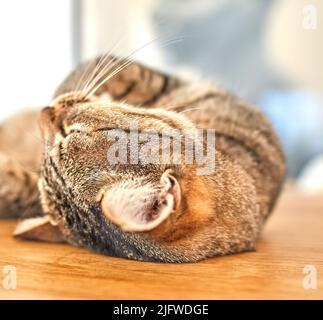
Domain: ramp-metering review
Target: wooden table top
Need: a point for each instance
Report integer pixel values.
(292, 239)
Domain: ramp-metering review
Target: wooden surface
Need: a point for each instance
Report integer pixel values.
(292, 239)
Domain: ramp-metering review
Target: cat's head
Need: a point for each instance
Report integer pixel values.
(95, 150)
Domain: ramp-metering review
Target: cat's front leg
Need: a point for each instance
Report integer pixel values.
(19, 198)
(19, 195)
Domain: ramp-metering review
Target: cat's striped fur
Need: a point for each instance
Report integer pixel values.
(218, 214)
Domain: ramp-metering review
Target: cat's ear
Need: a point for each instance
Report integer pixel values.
(39, 228)
(136, 207)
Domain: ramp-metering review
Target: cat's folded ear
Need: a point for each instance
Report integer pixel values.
(136, 206)
(39, 228)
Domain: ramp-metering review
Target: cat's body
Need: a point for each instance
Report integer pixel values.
(202, 216)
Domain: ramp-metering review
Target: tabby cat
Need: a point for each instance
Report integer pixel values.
(62, 187)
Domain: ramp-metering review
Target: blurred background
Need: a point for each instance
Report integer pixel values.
(269, 52)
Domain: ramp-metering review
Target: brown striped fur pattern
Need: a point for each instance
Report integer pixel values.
(216, 214)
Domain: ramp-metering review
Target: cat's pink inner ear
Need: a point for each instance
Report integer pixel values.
(136, 208)
(39, 228)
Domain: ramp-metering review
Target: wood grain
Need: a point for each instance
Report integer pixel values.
(292, 239)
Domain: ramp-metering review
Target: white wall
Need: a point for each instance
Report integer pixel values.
(35, 51)
(122, 27)
(294, 41)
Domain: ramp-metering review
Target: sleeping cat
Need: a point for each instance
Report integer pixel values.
(62, 186)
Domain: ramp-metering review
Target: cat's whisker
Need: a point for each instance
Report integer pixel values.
(38, 138)
(85, 75)
(172, 107)
(99, 77)
(171, 41)
(98, 74)
(98, 71)
(105, 69)
(92, 68)
(127, 61)
(124, 101)
(116, 71)
(101, 68)
(93, 73)
(191, 109)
